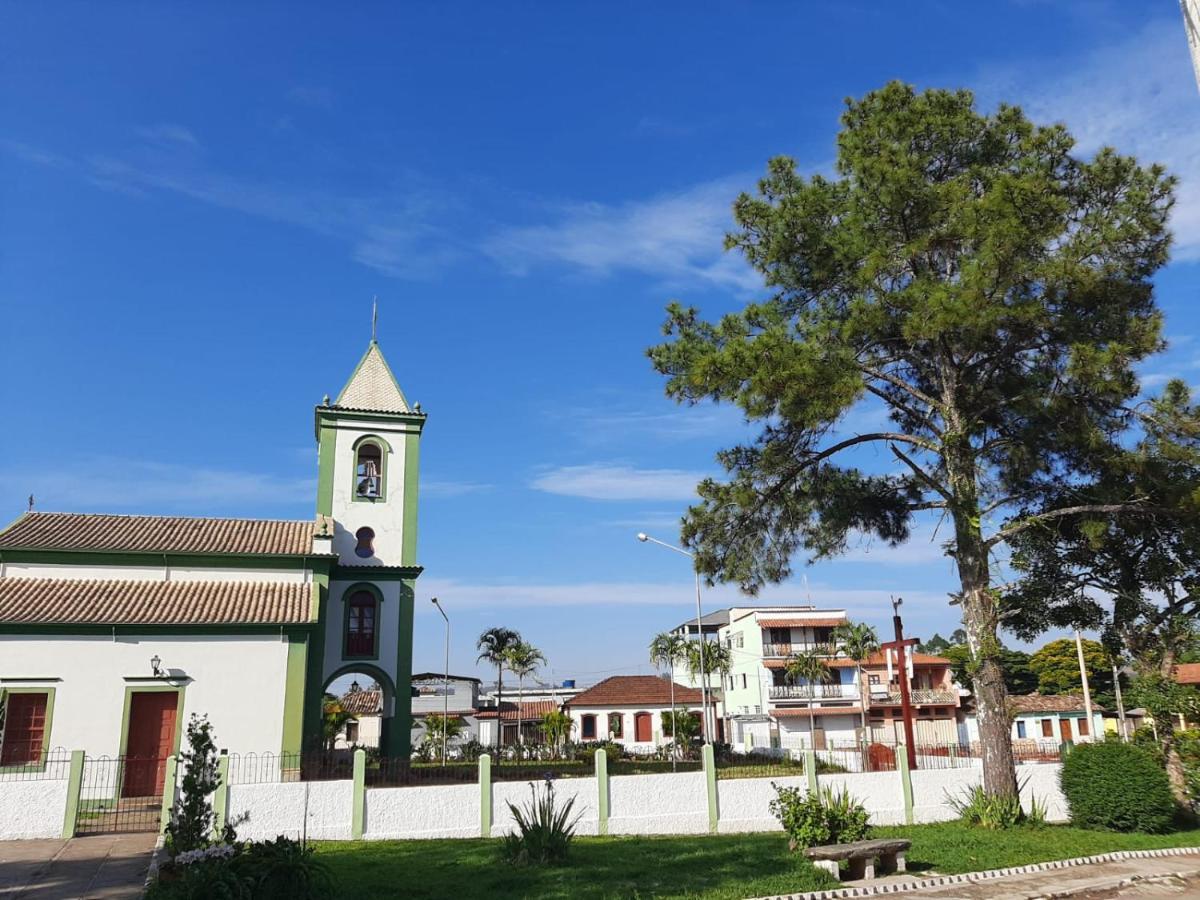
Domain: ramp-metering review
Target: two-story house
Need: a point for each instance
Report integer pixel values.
(763, 705)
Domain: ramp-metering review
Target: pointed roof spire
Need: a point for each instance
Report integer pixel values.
(374, 317)
(372, 386)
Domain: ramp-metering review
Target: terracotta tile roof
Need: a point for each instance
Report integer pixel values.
(802, 623)
(634, 690)
(1039, 703)
(55, 601)
(362, 703)
(1188, 673)
(158, 534)
(530, 709)
(422, 713)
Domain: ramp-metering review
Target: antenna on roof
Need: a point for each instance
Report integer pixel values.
(374, 316)
(31, 502)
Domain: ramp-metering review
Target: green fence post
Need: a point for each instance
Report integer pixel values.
(221, 797)
(170, 773)
(710, 787)
(485, 795)
(359, 807)
(810, 768)
(74, 785)
(602, 791)
(905, 782)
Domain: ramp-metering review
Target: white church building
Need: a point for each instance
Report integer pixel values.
(114, 629)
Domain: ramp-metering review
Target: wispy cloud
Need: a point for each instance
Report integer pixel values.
(675, 238)
(436, 488)
(395, 231)
(616, 422)
(619, 482)
(128, 485)
(167, 133)
(1138, 96)
(311, 95)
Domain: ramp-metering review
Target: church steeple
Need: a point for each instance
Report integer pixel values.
(372, 386)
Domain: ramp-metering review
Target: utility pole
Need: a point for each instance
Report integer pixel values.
(899, 645)
(1120, 703)
(1083, 676)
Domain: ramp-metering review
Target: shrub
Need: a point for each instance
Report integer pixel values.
(283, 869)
(191, 826)
(213, 878)
(821, 817)
(979, 808)
(544, 830)
(1117, 787)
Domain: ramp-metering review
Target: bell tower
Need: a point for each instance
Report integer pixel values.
(368, 442)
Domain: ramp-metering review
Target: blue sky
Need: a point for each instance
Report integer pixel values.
(198, 204)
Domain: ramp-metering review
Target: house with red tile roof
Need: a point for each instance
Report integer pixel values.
(115, 629)
(629, 709)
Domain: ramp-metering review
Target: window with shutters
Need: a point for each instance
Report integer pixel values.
(26, 722)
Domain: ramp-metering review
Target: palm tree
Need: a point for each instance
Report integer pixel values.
(718, 659)
(811, 666)
(556, 726)
(493, 644)
(858, 641)
(522, 660)
(666, 650)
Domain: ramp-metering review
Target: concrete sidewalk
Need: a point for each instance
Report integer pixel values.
(100, 867)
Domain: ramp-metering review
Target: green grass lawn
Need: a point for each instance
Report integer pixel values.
(729, 867)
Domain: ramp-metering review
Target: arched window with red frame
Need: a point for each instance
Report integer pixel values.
(362, 625)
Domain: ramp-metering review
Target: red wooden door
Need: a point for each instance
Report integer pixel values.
(148, 744)
(642, 732)
(1064, 729)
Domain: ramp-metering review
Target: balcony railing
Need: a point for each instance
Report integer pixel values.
(919, 696)
(826, 648)
(813, 692)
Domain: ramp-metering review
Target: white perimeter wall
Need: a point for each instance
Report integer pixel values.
(658, 804)
(237, 680)
(320, 809)
(32, 809)
(638, 804)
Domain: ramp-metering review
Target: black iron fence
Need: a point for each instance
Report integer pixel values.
(122, 794)
(53, 765)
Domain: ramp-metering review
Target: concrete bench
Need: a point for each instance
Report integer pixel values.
(861, 855)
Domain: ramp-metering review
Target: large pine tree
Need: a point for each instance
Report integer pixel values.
(986, 285)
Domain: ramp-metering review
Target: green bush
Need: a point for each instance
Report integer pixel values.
(283, 869)
(978, 808)
(820, 817)
(1117, 787)
(209, 879)
(544, 830)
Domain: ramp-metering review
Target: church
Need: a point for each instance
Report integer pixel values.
(114, 629)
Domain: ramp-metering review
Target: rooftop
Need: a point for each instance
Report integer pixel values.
(634, 690)
(1047, 703)
(362, 703)
(372, 386)
(60, 601)
(1188, 673)
(158, 534)
(528, 710)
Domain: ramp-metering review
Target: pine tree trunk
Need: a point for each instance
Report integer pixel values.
(981, 619)
(1165, 723)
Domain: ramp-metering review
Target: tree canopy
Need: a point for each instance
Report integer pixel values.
(967, 272)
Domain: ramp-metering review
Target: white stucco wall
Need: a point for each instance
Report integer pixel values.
(442, 811)
(237, 680)
(658, 804)
(744, 803)
(32, 809)
(879, 792)
(1041, 781)
(934, 788)
(275, 809)
(384, 517)
(584, 790)
(628, 731)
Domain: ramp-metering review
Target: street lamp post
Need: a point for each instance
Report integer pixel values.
(446, 682)
(704, 691)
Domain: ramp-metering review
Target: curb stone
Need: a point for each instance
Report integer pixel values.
(987, 875)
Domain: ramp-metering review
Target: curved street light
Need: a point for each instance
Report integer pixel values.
(704, 689)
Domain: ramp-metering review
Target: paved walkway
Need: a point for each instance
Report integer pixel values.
(101, 867)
